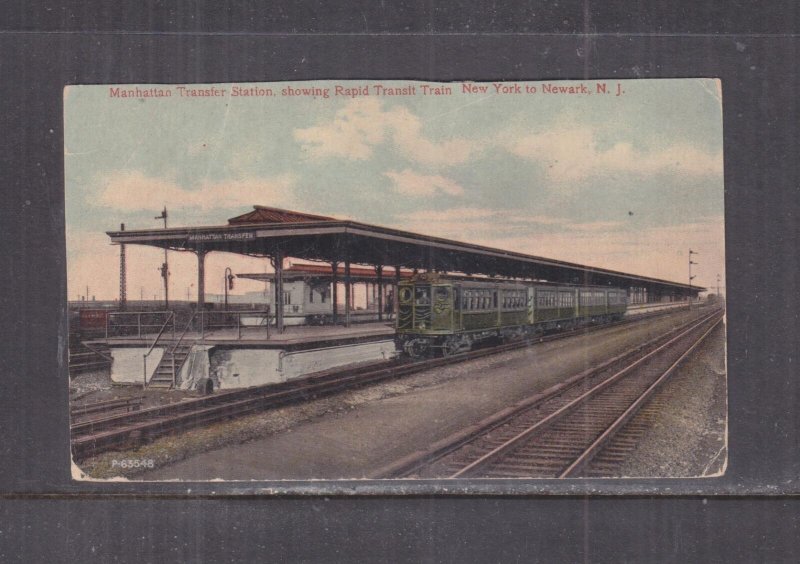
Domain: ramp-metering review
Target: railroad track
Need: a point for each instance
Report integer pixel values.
(560, 432)
(128, 430)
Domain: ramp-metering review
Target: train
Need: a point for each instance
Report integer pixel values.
(447, 315)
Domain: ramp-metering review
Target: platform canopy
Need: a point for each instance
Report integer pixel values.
(273, 232)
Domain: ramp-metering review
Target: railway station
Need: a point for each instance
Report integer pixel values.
(222, 348)
(330, 320)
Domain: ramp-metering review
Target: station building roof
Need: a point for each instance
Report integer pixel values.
(324, 272)
(268, 232)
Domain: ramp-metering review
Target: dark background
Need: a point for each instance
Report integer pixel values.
(748, 515)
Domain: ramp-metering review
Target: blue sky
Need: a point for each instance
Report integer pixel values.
(626, 182)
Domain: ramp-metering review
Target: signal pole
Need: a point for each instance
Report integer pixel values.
(165, 265)
(123, 275)
(691, 262)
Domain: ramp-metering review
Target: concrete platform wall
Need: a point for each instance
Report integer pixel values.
(231, 368)
(128, 367)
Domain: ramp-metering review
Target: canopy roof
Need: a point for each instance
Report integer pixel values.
(271, 232)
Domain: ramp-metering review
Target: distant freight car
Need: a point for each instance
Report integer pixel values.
(448, 315)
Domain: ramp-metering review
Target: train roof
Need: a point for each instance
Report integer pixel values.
(476, 281)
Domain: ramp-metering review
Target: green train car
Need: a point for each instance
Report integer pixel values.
(449, 315)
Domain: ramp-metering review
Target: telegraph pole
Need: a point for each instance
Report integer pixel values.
(691, 262)
(718, 278)
(165, 266)
(123, 275)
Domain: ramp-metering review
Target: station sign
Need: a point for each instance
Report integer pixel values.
(222, 236)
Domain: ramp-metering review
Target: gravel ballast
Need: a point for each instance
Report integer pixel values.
(688, 436)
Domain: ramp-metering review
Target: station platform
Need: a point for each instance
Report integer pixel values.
(252, 356)
(296, 337)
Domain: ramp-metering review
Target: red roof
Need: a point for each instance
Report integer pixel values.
(265, 214)
(326, 270)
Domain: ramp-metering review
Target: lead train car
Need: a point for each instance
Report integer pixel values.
(451, 315)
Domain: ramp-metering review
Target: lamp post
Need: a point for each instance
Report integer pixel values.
(165, 266)
(228, 283)
(691, 262)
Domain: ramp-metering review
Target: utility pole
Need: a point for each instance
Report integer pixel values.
(123, 275)
(718, 278)
(165, 266)
(691, 262)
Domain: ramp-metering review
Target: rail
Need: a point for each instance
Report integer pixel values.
(135, 427)
(170, 317)
(508, 445)
(130, 404)
(209, 320)
(141, 320)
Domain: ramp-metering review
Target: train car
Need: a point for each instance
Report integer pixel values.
(450, 315)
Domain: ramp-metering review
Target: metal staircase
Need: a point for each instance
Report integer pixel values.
(171, 362)
(169, 366)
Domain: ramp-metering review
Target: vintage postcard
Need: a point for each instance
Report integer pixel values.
(396, 280)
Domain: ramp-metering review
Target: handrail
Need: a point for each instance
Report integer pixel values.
(170, 317)
(183, 333)
(177, 344)
(97, 352)
(138, 320)
(205, 324)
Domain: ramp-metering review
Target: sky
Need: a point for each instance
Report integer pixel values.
(628, 182)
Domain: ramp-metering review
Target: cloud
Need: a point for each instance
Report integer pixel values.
(658, 251)
(572, 154)
(471, 223)
(364, 124)
(132, 190)
(411, 183)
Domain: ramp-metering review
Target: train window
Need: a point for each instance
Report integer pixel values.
(405, 294)
(442, 294)
(423, 295)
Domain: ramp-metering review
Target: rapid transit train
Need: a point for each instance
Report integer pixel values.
(444, 315)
